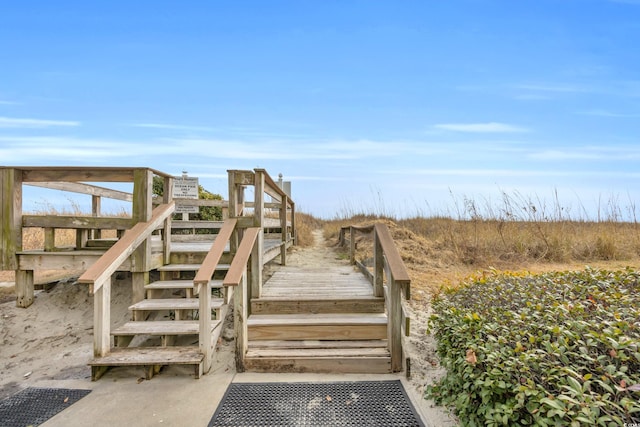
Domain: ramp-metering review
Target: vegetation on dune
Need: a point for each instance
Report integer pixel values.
(550, 349)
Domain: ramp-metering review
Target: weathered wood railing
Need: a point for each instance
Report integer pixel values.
(243, 272)
(99, 275)
(13, 255)
(387, 267)
(202, 287)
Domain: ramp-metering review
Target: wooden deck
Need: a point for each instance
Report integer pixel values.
(318, 319)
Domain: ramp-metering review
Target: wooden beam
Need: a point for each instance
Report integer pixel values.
(79, 187)
(78, 174)
(102, 319)
(76, 222)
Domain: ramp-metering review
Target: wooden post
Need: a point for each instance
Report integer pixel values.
(102, 319)
(205, 343)
(352, 245)
(96, 210)
(11, 217)
(24, 288)
(166, 242)
(258, 211)
(283, 230)
(240, 315)
(378, 265)
(141, 212)
(394, 324)
(49, 239)
(294, 233)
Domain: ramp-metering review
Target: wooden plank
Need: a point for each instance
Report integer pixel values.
(398, 270)
(76, 222)
(102, 319)
(71, 261)
(78, 187)
(24, 288)
(173, 304)
(319, 352)
(291, 305)
(210, 263)
(345, 319)
(317, 332)
(289, 344)
(354, 365)
(239, 263)
(77, 174)
(161, 327)
(179, 225)
(179, 284)
(111, 260)
(136, 356)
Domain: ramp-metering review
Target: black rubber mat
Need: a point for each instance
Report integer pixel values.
(362, 403)
(34, 406)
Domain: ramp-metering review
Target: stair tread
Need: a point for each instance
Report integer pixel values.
(345, 319)
(189, 267)
(131, 356)
(162, 327)
(318, 352)
(310, 344)
(178, 284)
(173, 304)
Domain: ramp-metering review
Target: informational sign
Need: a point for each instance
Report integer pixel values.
(185, 188)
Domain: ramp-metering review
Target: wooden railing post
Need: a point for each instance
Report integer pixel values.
(394, 324)
(378, 265)
(352, 245)
(102, 318)
(11, 217)
(205, 343)
(141, 212)
(167, 197)
(284, 230)
(258, 210)
(96, 208)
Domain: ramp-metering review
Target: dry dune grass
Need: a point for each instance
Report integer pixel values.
(444, 251)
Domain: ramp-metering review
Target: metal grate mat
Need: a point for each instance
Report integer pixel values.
(34, 406)
(362, 403)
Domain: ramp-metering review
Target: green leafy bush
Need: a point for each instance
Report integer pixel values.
(554, 349)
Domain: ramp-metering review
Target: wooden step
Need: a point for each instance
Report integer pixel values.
(101, 243)
(161, 328)
(361, 326)
(296, 305)
(319, 356)
(173, 304)
(149, 357)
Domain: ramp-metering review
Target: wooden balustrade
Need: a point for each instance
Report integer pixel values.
(387, 267)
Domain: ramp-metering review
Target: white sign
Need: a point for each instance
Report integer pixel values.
(185, 188)
(186, 209)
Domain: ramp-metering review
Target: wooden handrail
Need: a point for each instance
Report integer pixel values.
(239, 263)
(386, 261)
(394, 261)
(108, 263)
(79, 187)
(205, 273)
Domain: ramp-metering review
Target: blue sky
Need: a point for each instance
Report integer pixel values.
(397, 107)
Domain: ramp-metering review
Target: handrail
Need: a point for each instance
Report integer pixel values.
(108, 263)
(205, 273)
(239, 263)
(394, 261)
(386, 261)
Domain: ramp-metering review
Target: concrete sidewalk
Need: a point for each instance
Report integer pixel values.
(175, 398)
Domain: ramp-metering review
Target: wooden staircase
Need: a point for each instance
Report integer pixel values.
(165, 325)
(330, 322)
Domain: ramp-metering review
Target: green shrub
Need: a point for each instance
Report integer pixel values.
(553, 349)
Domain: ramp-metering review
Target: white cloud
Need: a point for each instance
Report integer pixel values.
(491, 127)
(5, 102)
(9, 122)
(171, 126)
(557, 88)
